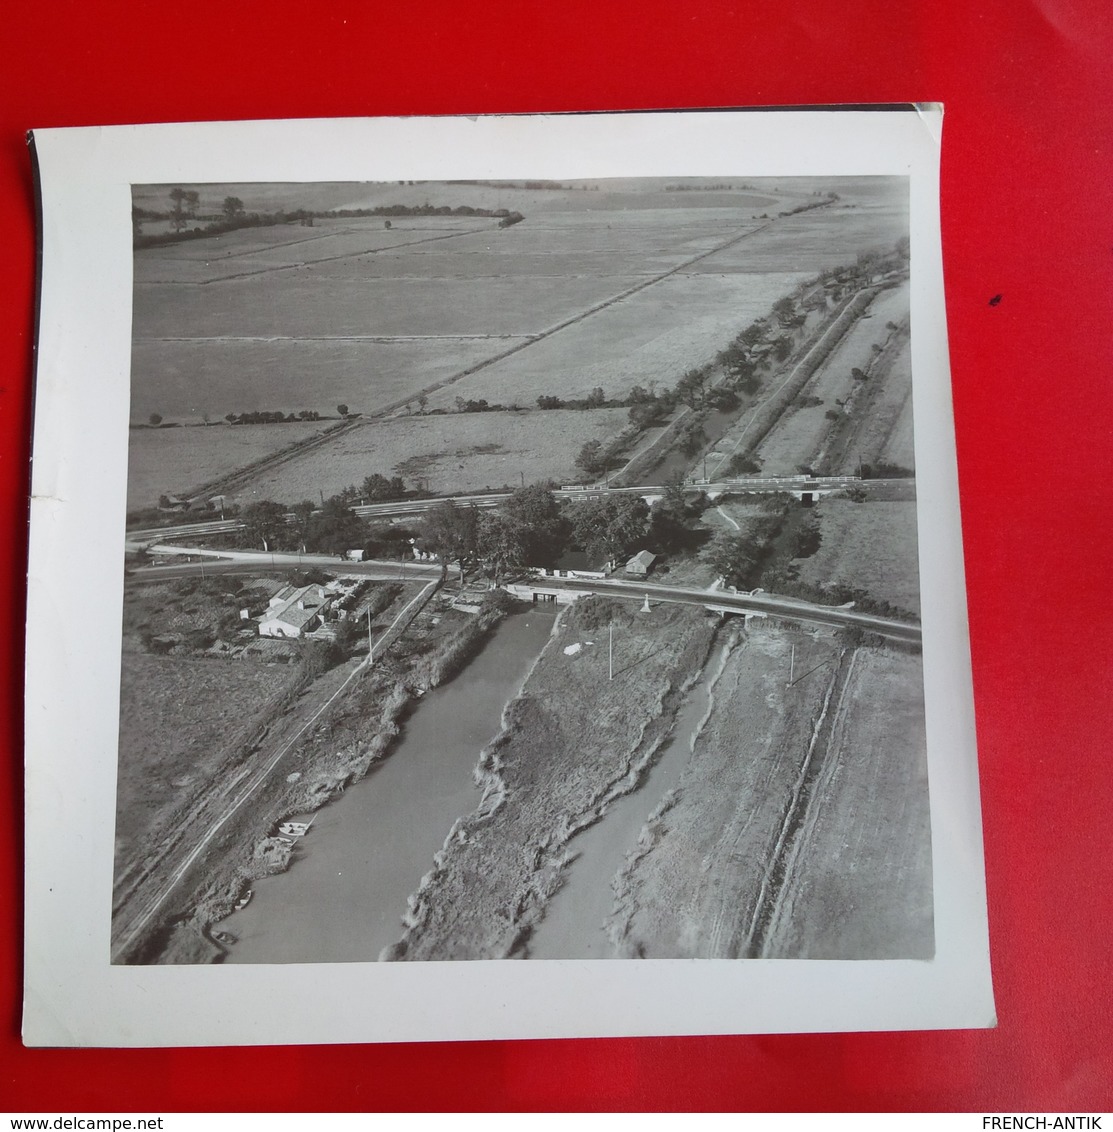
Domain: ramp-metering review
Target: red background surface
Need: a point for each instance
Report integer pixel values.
(1027, 214)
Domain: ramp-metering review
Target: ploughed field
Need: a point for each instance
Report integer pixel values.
(800, 827)
(454, 452)
(293, 317)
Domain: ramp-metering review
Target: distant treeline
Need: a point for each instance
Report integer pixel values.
(187, 225)
(551, 185)
(427, 210)
(214, 227)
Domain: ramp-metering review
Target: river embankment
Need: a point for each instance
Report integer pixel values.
(589, 722)
(344, 895)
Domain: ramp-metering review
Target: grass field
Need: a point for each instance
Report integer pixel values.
(652, 336)
(817, 241)
(900, 447)
(886, 432)
(181, 719)
(286, 317)
(456, 452)
(179, 379)
(766, 850)
(872, 546)
(859, 882)
(316, 304)
(171, 461)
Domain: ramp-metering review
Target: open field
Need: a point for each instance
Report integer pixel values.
(171, 461)
(349, 311)
(550, 772)
(313, 304)
(457, 452)
(219, 260)
(652, 336)
(872, 546)
(792, 799)
(183, 379)
(816, 241)
(181, 719)
(858, 881)
(900, 447)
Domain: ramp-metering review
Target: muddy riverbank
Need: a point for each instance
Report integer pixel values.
(573, 742)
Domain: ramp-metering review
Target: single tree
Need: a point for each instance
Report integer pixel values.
(451, 533)
(500, 543)
(378, 488)
(155, 420)
(342, 410)
(265, 522)
(591, 459)
(608, 527)
(335, 527)
(303, 514)
(544, 528)
(232, 208)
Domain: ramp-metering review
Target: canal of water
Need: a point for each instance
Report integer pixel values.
(343, 897)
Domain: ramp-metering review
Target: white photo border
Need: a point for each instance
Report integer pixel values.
(73, 994)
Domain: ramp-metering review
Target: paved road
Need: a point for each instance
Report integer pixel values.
(251, 562)
(757, 602)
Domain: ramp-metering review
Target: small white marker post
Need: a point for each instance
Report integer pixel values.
(645, 606)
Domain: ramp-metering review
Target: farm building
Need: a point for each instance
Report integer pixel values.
(641, 563)
(295, 612)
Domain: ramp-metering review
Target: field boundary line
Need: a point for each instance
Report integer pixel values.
(334, 258)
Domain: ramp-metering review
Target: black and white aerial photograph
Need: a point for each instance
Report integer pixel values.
(521, 569)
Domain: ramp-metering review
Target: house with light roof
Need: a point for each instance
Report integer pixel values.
(296, 612)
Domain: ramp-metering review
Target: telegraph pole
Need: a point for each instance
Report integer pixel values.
(370, 645)
(610, 654)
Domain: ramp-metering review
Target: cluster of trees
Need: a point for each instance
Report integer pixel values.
(718, 188)
(186, 224)
(375, 488)
(740, 558)
(531, 528)
(811, 204)
(272, 417)
(425, 209)
(331, 529)
(596, 399)
(884, 470)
